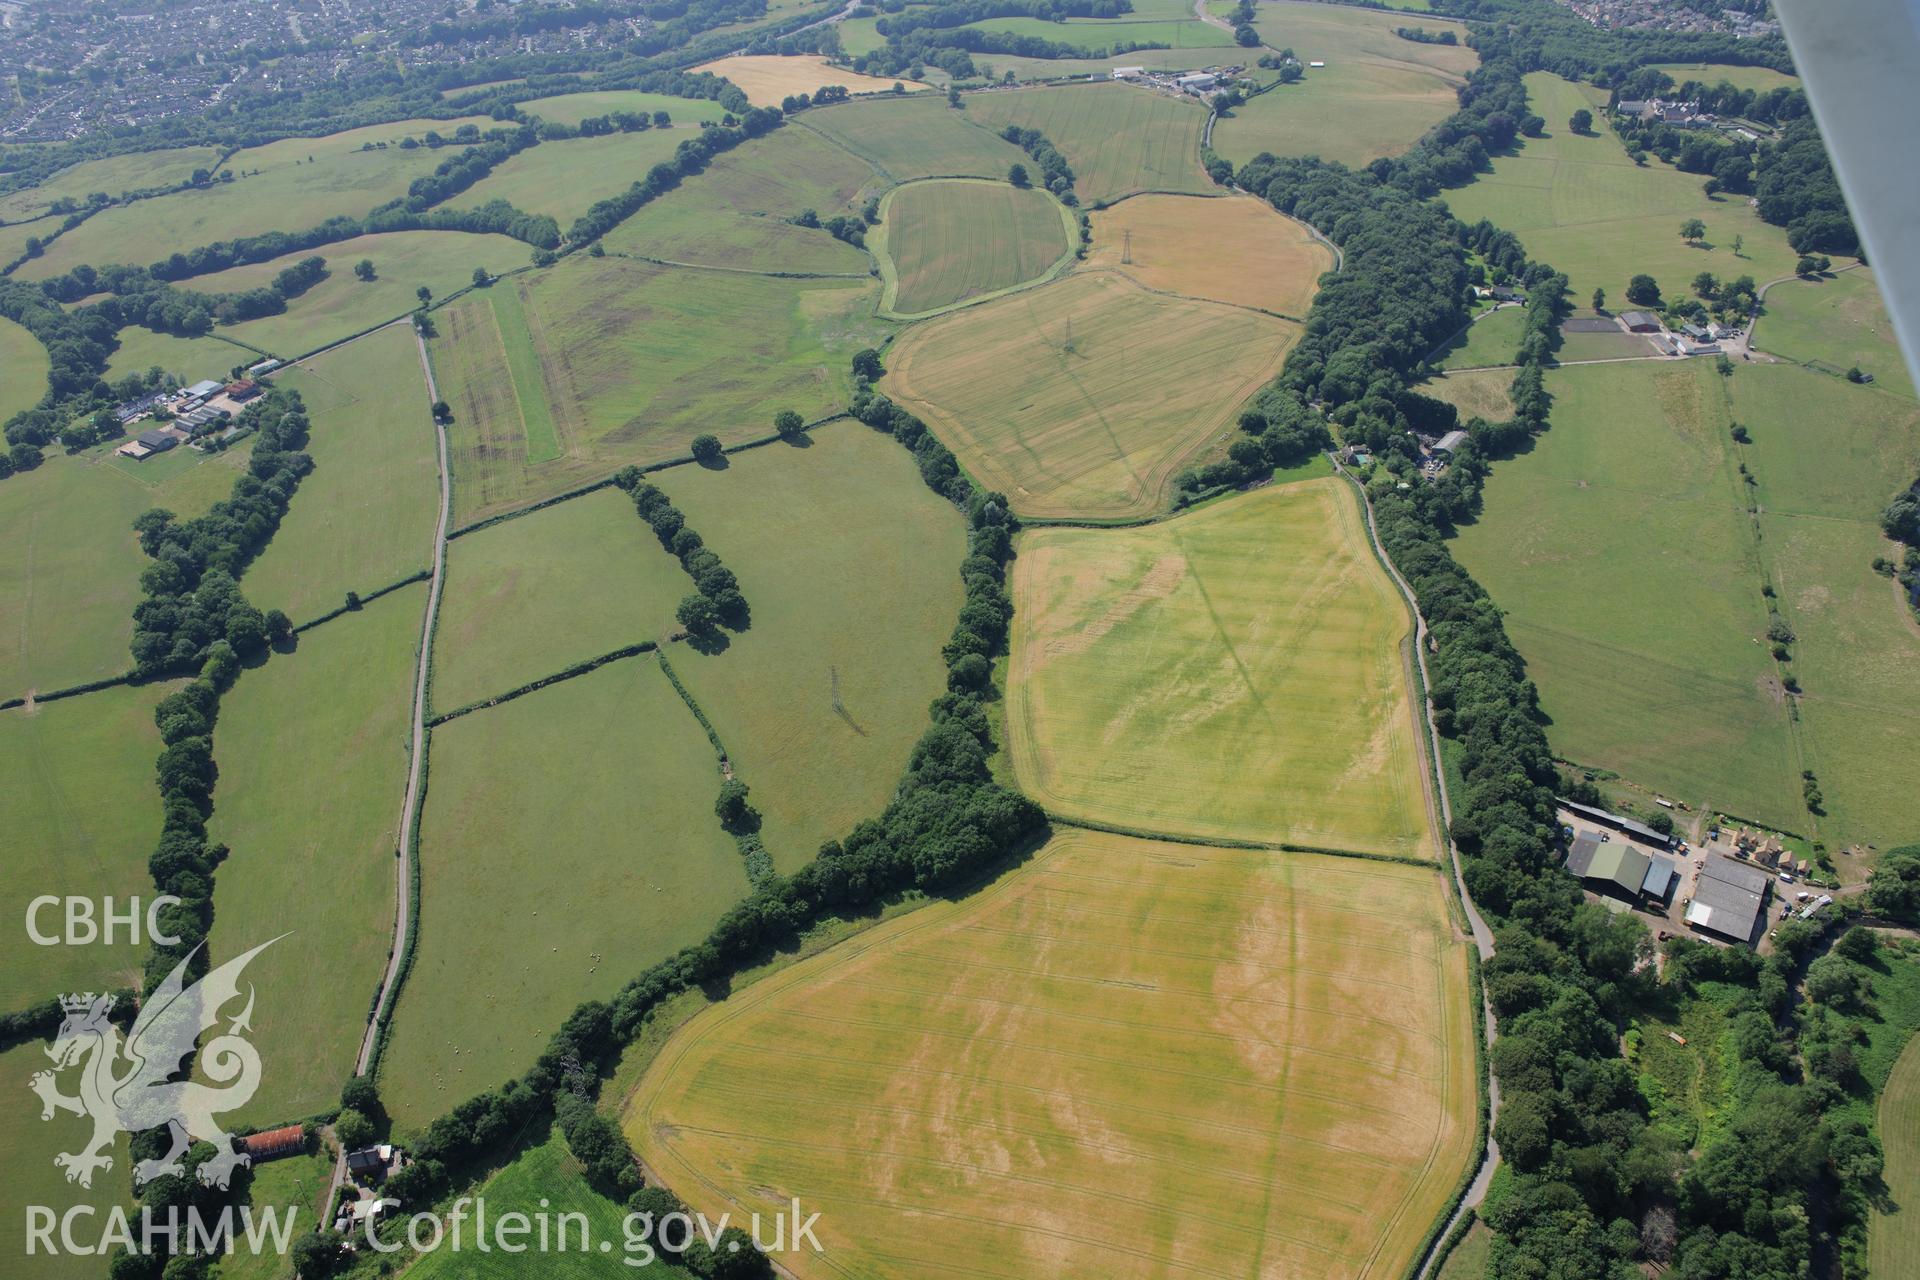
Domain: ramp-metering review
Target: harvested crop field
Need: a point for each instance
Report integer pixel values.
(948, 242)
(1266, 1057)
(1083, 398)
(767, 78)
(1120, 139)
(1237, 249)
(1239, 671)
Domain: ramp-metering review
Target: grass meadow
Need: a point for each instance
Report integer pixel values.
(579, 821)
(1582, 205)
(319, 177)
(1097, 35)
(1492, 339)
(1759, 79)
(365, 515)
(1474, 392)
(523, 370)
(1620, 552)
(1375, 97)
(768, 78)
(1237, 671)
(82, 813)
(545, 1179)
(313, 764)
(188, 359)
(1894, 1238)
(29, 1176)
(1120, 139)
(68, 588)
(293, 1186)
(1114, 1023)
(25, 365)
(850, 565)
(572, 108)
(535, 595)
(634, 361)
(1828, 456)
(734, 213)
(1084, 397)
(115, 175)
(564, 179)
(993, 66)
(1840, 321)
(1469, 1258)
(1237, 250)
(343, 304)
(917, 137)
(948, 242)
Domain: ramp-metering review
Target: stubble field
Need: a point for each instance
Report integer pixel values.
(1257, 1063)
(1235, 250)
(948, 242)
(767, 78)
(1237, 672)
(1083, 398)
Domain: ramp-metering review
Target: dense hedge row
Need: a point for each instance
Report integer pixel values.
(1056, 175)
(689, 158)
(716, 600)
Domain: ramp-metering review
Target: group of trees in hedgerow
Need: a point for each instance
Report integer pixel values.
(689, 158)
(716, 600)
(191, 597)
(1056, 175)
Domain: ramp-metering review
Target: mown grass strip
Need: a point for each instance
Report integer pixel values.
(543, 438)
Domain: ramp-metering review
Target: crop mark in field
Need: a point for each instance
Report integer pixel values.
(839, 707)
(1158, 583)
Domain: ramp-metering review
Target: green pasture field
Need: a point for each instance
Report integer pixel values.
(81, 813)
(1474, 392)
(68, 588)
(13, 238)
(860, 35)
(1096, 35)
(1894, 1236)
(850, 565)
(487, 440)
(564, 179)
(313, 766)
(1237, 671)
(364, 517)
(1468, 1261)
(1094, 428)
(951, 241)
(993, 66)
(1603, 346)
(1580, 204)
(1759, 79)
(1840, 321)
(1113, 1021)
(546, 1180)
(115, 175)
(572, 108)
(1620, 552)
(636, 360)
(23, 369)
(188, 359)
(734, 213)
(1119, 138)
(28, 1176)
(343, 304)
(579, 822)
(523, 368)
(917, 137)
(293, 1186)
(1829, 455)
(1492, 339)
(535, 595)
(1375, 97)
(270, 183)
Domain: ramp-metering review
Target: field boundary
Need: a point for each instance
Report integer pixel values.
(420, 575)
(878, 238)
(740, 271)
(533, 686)
(1230, 842)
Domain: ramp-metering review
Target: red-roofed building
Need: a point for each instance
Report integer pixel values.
(275, 1143)
(245, 389)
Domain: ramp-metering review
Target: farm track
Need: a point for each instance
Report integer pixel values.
(410, 807)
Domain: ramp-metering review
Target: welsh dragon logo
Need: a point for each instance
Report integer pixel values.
(132, 1087)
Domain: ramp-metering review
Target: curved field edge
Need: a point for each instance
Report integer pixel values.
(877, 245)
(1119, 634)
(1359, 1206)
(978, 457)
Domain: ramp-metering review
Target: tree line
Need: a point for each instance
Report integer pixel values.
(1056, 175)
(689, 158)
(716, 600)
